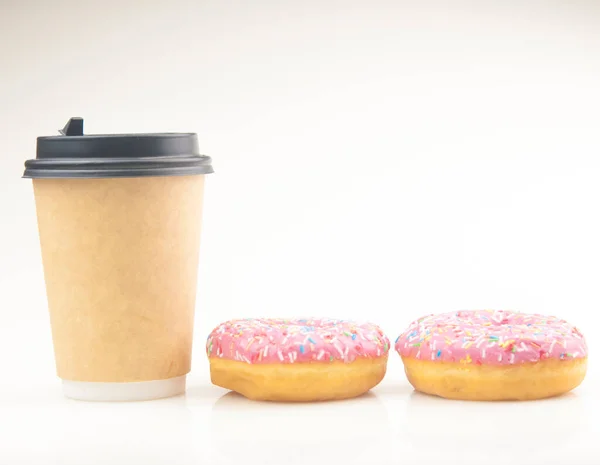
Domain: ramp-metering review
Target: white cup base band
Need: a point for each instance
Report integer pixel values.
(124, 392)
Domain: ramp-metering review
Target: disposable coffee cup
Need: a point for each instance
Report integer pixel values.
(119, 220)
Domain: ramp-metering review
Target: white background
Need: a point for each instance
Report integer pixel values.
(378, 160)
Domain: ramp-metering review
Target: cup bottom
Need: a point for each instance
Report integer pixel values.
(124, 392)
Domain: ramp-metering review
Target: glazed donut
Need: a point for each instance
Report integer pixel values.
(493, 355)
(297, 360)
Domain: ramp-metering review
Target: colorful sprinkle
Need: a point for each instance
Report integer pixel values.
(296, 341)
(491, 337)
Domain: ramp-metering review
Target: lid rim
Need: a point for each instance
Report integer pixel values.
(120, 167)
(141, 135)
(74, 154)
(158, 160)
(105, 174)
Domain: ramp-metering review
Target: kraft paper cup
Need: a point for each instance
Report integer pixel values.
(119, 220)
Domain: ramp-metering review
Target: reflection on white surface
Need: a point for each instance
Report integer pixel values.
(493, 432)
(391, 425)
(73, 432)
(348, 431)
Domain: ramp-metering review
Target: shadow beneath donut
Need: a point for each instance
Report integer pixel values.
(203, 391)
(236, 398)
(394, 389)
(242, 429)
(507, 428)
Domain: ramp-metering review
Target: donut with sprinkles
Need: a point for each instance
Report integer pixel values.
(308, 359)
(493, 355)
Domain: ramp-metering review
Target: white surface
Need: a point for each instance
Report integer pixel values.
(391, 425)
(123, 392)
(378, 160)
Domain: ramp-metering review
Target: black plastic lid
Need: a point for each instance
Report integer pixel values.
(74, 155)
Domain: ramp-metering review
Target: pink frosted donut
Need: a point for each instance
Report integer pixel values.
(493, 355)
(297, 359)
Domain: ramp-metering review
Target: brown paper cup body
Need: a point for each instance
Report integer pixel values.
(120, 262)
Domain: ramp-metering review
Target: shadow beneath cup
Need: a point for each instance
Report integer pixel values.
(124, 432)
(345, 430)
